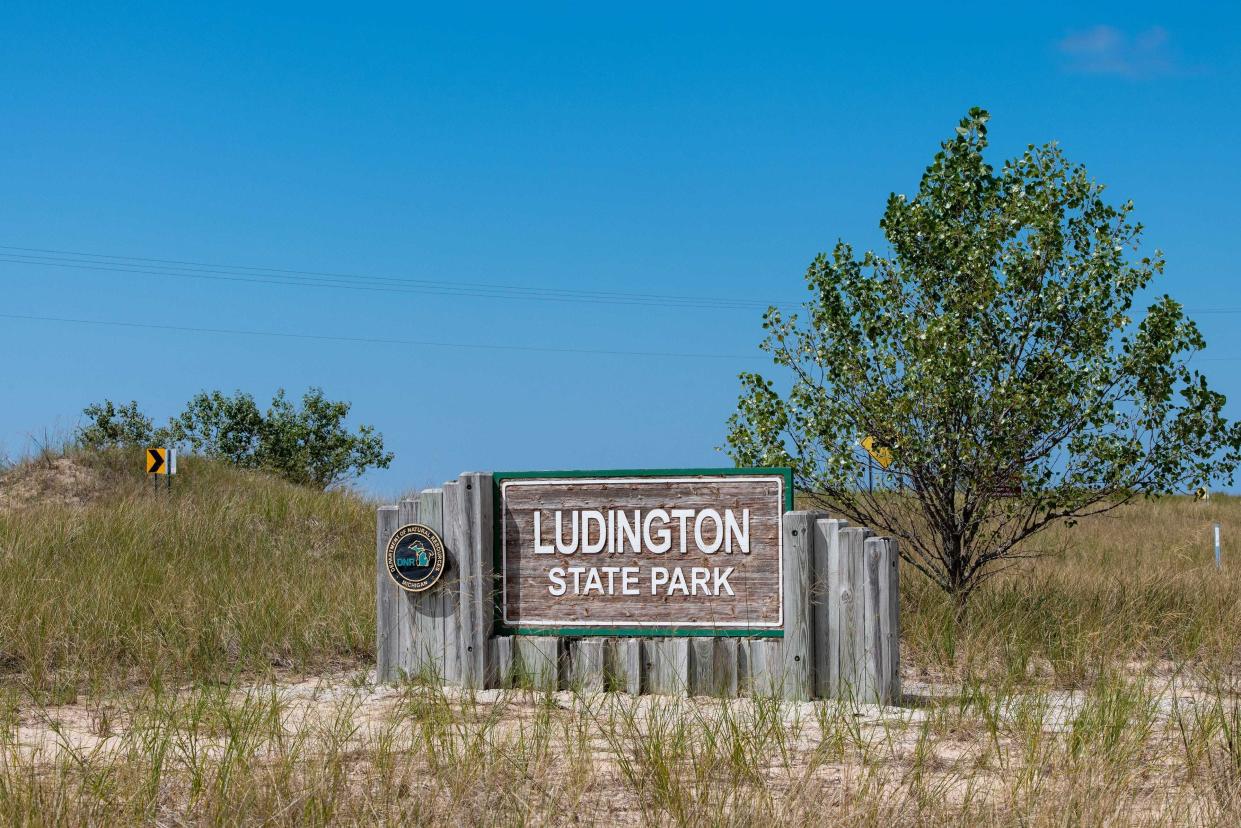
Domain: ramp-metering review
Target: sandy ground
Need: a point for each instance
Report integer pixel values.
(85, 728)
(831, 759)
(59, 481)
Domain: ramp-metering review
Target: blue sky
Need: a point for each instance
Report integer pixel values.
(705, 151)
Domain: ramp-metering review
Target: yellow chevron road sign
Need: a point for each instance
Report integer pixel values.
(881, 453)
(161, 461)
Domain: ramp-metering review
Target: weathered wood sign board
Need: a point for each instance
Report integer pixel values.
(642, 552)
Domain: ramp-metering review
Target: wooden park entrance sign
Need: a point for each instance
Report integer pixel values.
(701, 581)
(631, 554)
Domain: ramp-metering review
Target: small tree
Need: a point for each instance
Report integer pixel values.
(309, 445)
(111, 426)
(993, 353)
(227, 428)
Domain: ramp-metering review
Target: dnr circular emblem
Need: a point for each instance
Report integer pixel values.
(415, 557)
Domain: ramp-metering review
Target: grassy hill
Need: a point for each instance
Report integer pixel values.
(1135, 587)
(147, 640)
(108, 581)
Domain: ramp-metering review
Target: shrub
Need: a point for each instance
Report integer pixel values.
(307, 444)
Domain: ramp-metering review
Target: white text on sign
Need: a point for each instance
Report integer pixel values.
(591, 531)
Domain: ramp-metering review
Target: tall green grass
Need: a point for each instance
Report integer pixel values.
(1137, 588)
(1097, 684)
(236, 571)
(228, 572)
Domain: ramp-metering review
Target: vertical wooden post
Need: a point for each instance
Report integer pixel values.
(745, 672)
(409, 662)
(882, 620)
(893, 615)
(649, 662)
(537, 660)
(669, 671)
(701, 666)
(429, 605)
(798, 558)
(386, 598)
(766, 661)
(677, 651)
(500, 667)
(623, 664)
(456, 542)
(725, 672)
(850, 628)
(586, 665)
(477, 581)
(826, 561)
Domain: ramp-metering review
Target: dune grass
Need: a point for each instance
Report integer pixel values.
(229, 572)
(1120, 753)
(1137, 587)
(236, 572)
(148, 643)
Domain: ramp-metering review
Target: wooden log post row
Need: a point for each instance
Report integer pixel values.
(841, 633)
(442, 634)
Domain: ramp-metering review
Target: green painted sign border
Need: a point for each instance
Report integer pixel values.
(644, 632)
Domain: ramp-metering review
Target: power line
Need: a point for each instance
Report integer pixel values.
(288, 277)
(378, 340)
(417, 342)
(307, 278)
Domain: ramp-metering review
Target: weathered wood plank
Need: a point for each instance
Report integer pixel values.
(724, 679)
(409, 660)
(476, 581)
(501, 671)
(826, 630)
(852, 626)
(537, 661)
(882, 618)
(650, 661)
(429, 605)
(586, 665)
(798, 549)
(760, 683)
(767, 667)
(678, 662)
(835, 588)
(657, 671)
(745, 671)
(893, 613)
(387, 642)
(456, 542)
(623, 665)
(702, 666)
(872, 618)
(730, 508)
(670, 671)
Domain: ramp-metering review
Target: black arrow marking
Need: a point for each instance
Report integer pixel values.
(156, 462)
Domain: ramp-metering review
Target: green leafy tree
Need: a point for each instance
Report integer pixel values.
(111, 426)
(220, 426)
(994, 351)
(308, 444)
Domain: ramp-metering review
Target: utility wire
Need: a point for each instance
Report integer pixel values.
(547, 349)
(307, 278)
(180, 268)
(379, 340)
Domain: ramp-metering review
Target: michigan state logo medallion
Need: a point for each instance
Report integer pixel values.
(415, 557)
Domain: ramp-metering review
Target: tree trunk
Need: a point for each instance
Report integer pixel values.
(960, 601)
